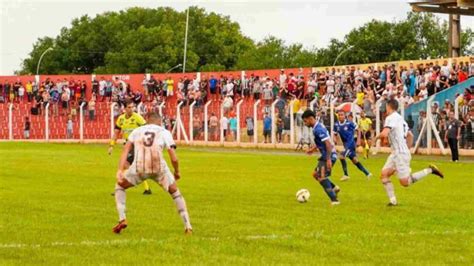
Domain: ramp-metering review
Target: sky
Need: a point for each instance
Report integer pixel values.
(312, 23)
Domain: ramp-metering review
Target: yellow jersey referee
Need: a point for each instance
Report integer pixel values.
(126, 123)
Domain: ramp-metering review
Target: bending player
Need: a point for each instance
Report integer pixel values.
(345, 129)
(149, 163)
(328, 155)
(396, 129)
(126, 123)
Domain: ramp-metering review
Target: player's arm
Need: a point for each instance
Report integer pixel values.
(328, 153)
(174, 161)
(123, 161)
(409, 139)
(382, 135)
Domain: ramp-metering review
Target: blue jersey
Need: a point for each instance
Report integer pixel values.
(213, 83)
(346, 131)
(321, 134)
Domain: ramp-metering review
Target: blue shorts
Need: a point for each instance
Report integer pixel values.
(321, 170)
(351, 153)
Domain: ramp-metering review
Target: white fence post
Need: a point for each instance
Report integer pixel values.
(81, 121)
(139, 108)
(428, 117)
(243, 83)
(456, 108)
(377, 121)
(178, 120)
(353, 111)
(273, 121)
(255, 123)
(206, 123)
(311, 104)
(112, 120)
(331, 119)
(10, 121)
(46, 121)
(292, 124)
(238, 119)
(160, 108)
(221, 128)
(191, 120)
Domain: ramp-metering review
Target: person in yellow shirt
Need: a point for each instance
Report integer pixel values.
(29, 91)
(126, 123)
(365, 125)
(169, 87)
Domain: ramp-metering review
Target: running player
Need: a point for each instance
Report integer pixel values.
(149, 141)
(345, 130)
(328, 155)
(126, 123)
(396, 129)
(365, 124)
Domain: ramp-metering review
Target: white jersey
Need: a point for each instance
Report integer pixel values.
(398, 132)
(149, 142)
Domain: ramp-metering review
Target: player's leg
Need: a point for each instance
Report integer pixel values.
(359, 165)
(387, 171)
(128, 180)
(342, 158)
(181, 207)
(321, 175)
(167, 182)
(407, 179)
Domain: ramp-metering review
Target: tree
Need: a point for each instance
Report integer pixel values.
(139, 40)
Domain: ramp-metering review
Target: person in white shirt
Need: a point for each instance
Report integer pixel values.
(224, 125)
(148, 142)
(396, 130)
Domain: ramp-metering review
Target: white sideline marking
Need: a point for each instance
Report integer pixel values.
(215, 238)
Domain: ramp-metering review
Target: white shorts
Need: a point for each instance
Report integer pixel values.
(164, 179)
(400, 163)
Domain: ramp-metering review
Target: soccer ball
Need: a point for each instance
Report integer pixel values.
(302, 195)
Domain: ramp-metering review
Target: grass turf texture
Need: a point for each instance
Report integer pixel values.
(56, 208)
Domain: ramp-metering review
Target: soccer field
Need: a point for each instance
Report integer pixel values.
(56, 208)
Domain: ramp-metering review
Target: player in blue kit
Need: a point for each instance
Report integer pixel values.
(328, 155)
(345, 129)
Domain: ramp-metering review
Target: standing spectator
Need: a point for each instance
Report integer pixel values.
(213, 88)
(279, 128)
(267, 95)
(286, 133)
(233, 127)
(102, 88)
(29, 91)
(69, 127)
(95, 86)
(21, 93)
(250, 125)
(169, 87)
(224, 125)
(26, 132)
(267, 128)
(91, 107)
(196, 126)
(452, 136)
(282, 77)
(213, 126)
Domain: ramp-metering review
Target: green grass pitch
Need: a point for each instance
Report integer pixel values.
(56, 208)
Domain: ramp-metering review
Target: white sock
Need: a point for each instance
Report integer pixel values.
(182, 210)
(120, 197)
(390, 192)
(414, 177)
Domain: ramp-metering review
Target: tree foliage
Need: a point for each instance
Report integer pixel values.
(139, 40)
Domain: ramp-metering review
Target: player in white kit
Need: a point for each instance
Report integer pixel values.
(148, 142)
(396, 129)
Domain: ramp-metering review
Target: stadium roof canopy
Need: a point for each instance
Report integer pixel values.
(455, 7)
